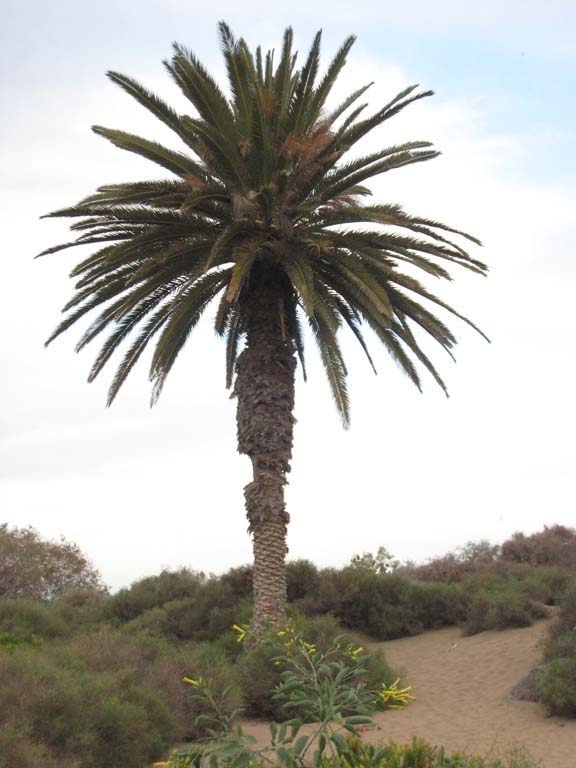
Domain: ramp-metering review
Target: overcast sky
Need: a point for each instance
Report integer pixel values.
(142, 489)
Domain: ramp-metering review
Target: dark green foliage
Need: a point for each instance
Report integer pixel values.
(302, 578)
(385, 606)
(105, 700)
(18, 750)
(87, 716)
(557, 686)
(547, 584)
(567, 616)
(258, 677)
(437, 605)
(557, 681)
(501, 610)
(155, 591)
(206, 616)
(561, 644)
(239, 581)
(30, 618)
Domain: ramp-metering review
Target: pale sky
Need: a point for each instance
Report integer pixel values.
(142, 489)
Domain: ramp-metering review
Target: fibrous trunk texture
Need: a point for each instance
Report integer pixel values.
(265, 390)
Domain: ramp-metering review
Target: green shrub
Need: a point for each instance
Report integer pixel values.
(561, 645)
(437, 605)
(548, 584)
(567, 616)
(302, 578)
(365, 601)
(81, 715)
(153, 592)
(387, 605)
(557, 686)
(557, 681)
(561, 641)
(30, 618)
(17, 750)
(108, 699)
(158, 665)
(501, 610)
(82, 608)
(205, 616)
(239, 581)
(258, 677)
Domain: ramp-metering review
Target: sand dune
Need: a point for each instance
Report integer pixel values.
(463, 688)
(462, 685)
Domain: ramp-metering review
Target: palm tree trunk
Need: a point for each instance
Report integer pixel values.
(264, 386)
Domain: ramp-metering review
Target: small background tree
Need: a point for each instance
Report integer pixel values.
(36, 568)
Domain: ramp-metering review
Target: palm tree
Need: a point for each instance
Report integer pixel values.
(261, 213)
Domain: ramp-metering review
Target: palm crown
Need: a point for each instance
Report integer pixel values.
(260, 194)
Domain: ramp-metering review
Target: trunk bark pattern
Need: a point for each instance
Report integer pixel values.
(264, 386)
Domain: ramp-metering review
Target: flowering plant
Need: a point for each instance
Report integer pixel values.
(324, 687)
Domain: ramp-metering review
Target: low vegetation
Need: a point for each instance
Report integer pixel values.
(93, 680)
(556, 685)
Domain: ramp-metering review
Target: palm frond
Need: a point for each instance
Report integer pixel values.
(333, 363)
(263, 198)
(177, 162)
(185, 310)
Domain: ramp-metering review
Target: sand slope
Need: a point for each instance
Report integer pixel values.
(462, 685)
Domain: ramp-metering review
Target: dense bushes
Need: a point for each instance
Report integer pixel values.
(82, 714)
(302, 578)
(557, 686)
(385, 606)
(154, 592)
(104, 700)
(554, 546)
(501, 610)
(186, 606)
(557, 680)
(28, 619)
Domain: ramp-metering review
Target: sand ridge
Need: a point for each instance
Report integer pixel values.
(463, 685)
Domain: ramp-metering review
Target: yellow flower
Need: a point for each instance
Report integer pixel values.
(399, 698)
(242, 631)
(357, 651)
(309, 647)
(195, 683)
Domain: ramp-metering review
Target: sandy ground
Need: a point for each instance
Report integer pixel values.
(462, 685)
